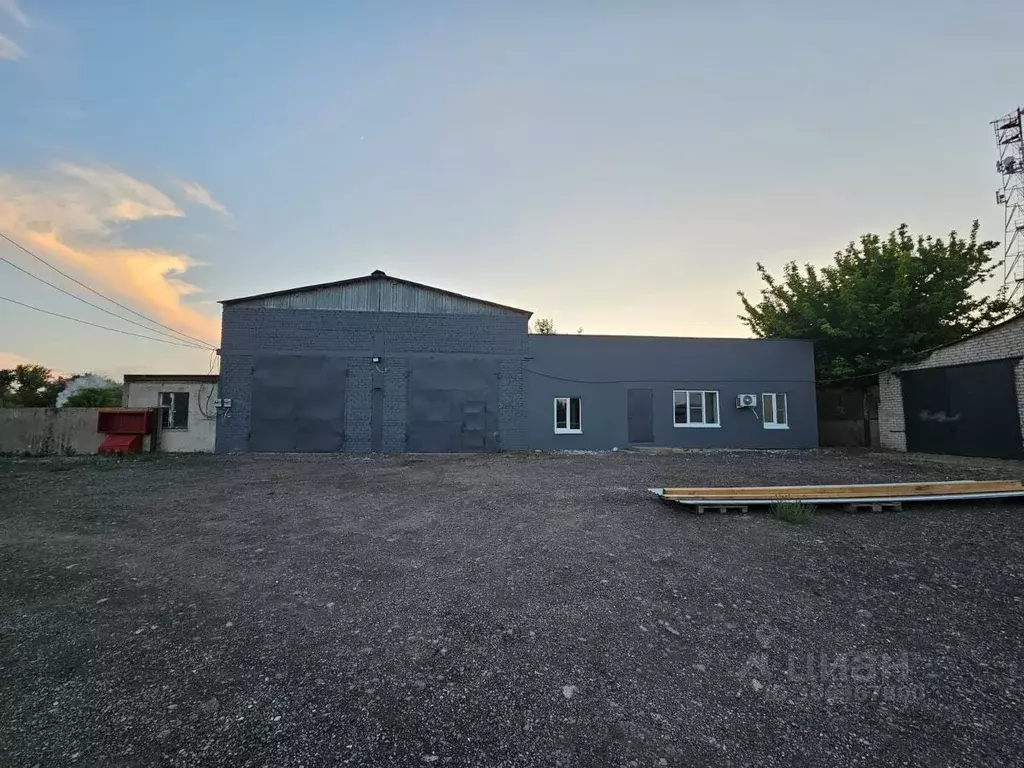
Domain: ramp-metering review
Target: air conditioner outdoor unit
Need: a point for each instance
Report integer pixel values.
(746, 401)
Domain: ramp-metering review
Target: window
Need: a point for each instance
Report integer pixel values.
(174, 410)
(695, 408)
(568, 416)
(773, 410)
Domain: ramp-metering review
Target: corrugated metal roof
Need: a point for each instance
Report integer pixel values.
(376, 293)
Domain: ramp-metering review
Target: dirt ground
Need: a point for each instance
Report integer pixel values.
(508, 610)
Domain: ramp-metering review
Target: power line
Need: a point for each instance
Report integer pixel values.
(86, 301)
(207, 414)
(105, 327)
(41, 260)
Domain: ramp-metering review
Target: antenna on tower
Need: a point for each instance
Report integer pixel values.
(1010, 166)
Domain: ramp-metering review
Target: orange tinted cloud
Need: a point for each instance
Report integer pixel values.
(73, 213)
(10, 360)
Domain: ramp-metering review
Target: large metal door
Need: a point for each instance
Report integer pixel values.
(965, 410)
(452, 406)
(298, 404)
(640, 415)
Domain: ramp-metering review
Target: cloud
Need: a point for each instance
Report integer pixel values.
(10, 50)
(10, 7)
(196, 193)
(11, 360)
(75, 213)
(77, 198)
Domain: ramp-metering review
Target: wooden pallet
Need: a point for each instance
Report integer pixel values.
(883, 493)
(868, 492)
(873, 506)
(700, 509)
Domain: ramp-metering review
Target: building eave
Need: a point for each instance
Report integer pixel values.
(130, 378)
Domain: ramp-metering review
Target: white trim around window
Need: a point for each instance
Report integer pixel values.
(774, 410)
(568, 416)
(696, 408)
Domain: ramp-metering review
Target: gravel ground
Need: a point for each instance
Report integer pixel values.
(509, 610)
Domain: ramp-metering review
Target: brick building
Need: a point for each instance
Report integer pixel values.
(966, 398)
(382, 364)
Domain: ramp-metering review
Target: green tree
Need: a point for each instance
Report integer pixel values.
(544, 326)
(34, 386)
(6, 385)
(95, 397)
(880, 302)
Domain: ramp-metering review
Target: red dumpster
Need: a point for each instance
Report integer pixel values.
(125, 428)
(125, 421)
(121, 444)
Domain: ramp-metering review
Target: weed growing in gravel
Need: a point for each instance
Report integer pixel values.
(793, 511)
(524, 454)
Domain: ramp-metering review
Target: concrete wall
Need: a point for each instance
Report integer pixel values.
(600, 369)
(395, 337)
(202, 416)
(1006, 340)
(49, 431)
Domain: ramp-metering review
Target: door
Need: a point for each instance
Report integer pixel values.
(297, 403)
(474, 425)
(640, 415)
(452, 406)
(964, 410)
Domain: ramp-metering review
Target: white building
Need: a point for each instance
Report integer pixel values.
(188, 416)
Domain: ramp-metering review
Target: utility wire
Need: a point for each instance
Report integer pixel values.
(213, 388)
(41, 260)
(104, 327)
(86, 301)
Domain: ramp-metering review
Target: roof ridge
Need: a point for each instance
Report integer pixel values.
(377, 274)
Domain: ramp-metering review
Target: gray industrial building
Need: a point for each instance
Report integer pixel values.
(382, 364)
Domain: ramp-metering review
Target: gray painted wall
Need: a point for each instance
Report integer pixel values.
(533, 371)
(397, 337)
(600, 369)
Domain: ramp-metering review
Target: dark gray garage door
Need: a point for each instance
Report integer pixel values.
(964, 410)
(298, 404)
(452, 405)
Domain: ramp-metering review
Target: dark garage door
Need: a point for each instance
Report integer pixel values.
(965, 410)
(452, 406)
(298, 404)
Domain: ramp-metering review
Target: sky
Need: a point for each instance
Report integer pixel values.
(619, 167)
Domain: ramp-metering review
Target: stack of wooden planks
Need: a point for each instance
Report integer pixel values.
(880, 493)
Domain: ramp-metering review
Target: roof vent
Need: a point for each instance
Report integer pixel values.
(378, 273)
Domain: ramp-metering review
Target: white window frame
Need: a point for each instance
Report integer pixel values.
(773, 411)
(172, 407)
(567, 429)
(703, 409)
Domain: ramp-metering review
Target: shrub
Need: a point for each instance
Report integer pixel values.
(798, 512)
